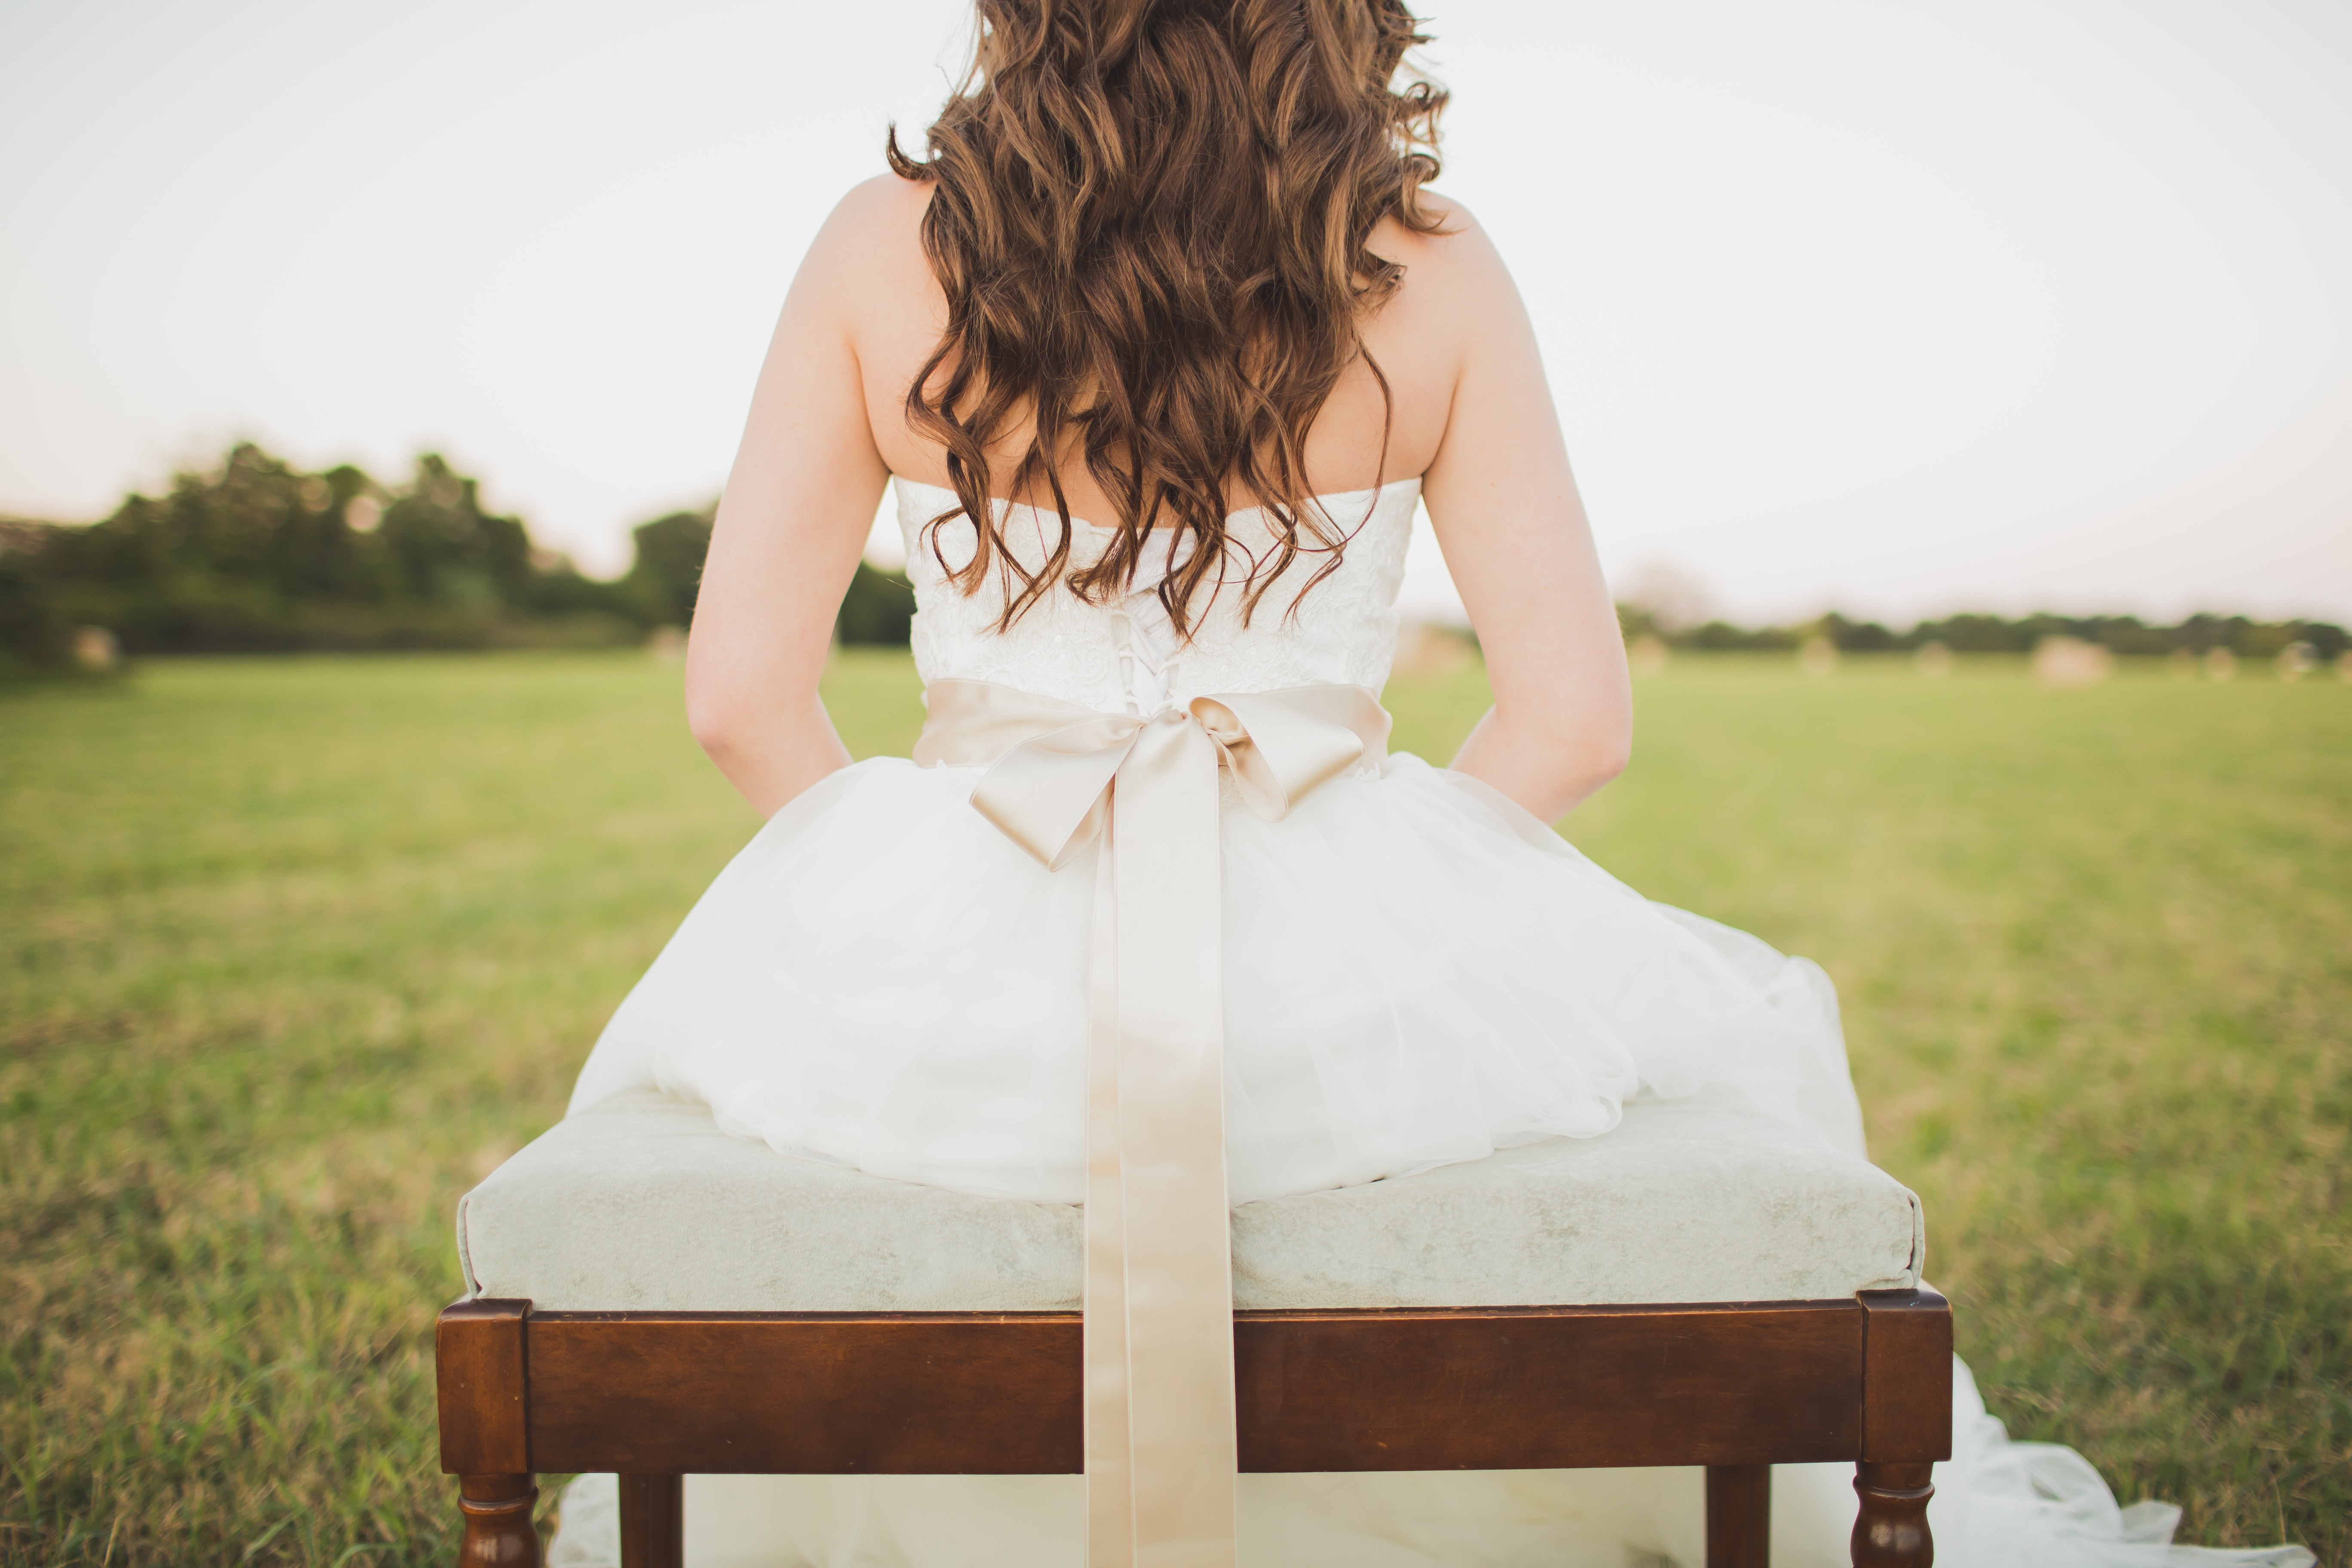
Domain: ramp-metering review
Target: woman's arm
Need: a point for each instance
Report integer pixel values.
(1507, 517)
(799, 503)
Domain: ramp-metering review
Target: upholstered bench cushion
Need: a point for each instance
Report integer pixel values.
(642, 1204)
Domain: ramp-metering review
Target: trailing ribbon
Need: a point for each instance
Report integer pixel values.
(1159, 1339)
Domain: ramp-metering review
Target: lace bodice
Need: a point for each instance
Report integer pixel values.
(1124, 656)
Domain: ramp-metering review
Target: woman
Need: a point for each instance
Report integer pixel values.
(1161, 347)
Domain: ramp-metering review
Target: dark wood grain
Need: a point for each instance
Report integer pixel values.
(1526, 1387)
(1471, 1388)
(1907, 1389)
(652, 1522)
(1738, 1516)
(478, 1363)
(1890, 1528)
(499, 1531)
(806, 1394)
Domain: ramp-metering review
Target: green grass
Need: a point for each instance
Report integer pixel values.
(296, 951)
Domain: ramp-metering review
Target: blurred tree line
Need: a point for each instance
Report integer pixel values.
(258, 556)
(2121, 634)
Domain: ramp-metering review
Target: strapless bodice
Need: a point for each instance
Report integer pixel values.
(1124, 655)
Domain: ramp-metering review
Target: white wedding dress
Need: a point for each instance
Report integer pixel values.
(882, 978)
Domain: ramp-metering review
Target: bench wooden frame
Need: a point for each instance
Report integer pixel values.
(1736, 1387)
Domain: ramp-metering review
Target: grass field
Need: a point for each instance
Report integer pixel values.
(296, 951)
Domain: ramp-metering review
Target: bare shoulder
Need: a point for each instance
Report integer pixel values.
(1456, 251)
(870, 247)
(1455, 291)
(886, 207)
(1454, 296)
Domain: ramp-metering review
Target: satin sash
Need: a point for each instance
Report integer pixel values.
(1159, 1339)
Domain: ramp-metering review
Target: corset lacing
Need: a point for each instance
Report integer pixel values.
(1147, 644)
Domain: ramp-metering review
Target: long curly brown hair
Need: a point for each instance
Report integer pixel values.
(1151, 218)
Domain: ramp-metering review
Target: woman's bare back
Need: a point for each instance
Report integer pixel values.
(897, 312)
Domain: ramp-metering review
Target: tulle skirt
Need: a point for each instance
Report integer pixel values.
(1416, 973)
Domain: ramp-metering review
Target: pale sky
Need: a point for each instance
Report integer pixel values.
(1892, 307)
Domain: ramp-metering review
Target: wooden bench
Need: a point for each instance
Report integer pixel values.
(610, 1211)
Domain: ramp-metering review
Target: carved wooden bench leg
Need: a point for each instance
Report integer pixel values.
(1906, 1424)
(1738, 1516)
(499, 1530)
(652, 1522)
(1891, 1532)
(484, 1395)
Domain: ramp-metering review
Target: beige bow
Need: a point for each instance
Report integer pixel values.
(1158, 1345)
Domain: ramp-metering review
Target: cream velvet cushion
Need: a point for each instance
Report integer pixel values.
(642, 1204)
